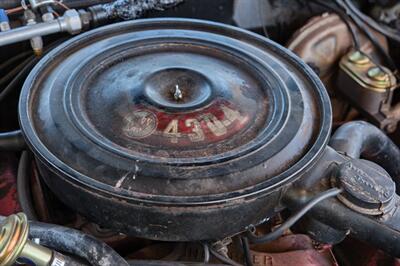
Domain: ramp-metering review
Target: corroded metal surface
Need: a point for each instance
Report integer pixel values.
(291, 250)
(321, 43)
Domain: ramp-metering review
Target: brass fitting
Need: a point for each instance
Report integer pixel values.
(367, 73)
(358, 58)
(14, 243)
(377, 74)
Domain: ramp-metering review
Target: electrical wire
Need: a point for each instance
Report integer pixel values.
(363, 27)
(14, 60)
(206, 253)
(18, 78)
(293, 219)
(14, 71)
(345, 20)
(246, 251)
(390, 33)
(24, 72)
(222, 258)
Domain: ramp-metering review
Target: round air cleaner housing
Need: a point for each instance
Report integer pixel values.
(173, 129)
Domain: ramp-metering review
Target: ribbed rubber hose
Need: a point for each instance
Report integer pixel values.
(359, 139)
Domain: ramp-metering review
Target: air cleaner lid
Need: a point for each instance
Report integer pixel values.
(174, 110)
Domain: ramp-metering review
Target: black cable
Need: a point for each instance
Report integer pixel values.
(27, 67)
(246, 251)
(223, 258)
(206, 253)
(24, 188)
(11, 74)
(293, 219)
(14, 60)
(388, 60)
(390, 33)
(345, 20)
(18, 78)
(12, 141)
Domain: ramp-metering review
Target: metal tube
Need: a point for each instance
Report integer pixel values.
(40, 255)
(28, 32)
(70, 22)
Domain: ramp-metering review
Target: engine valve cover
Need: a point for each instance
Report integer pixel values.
(173, 129)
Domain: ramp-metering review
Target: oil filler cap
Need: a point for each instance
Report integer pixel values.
(367, 187)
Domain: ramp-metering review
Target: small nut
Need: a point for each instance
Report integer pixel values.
(71, 22)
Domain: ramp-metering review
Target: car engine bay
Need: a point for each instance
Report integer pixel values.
(199, 132)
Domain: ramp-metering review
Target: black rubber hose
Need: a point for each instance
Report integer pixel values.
(24, 188)
(12, 141)
(359, 139)
(75, 242)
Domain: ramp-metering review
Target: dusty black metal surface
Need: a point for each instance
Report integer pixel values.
(173, 129)
(367, 187)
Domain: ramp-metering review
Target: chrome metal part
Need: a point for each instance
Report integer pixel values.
(70, 23)
(38, 3)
